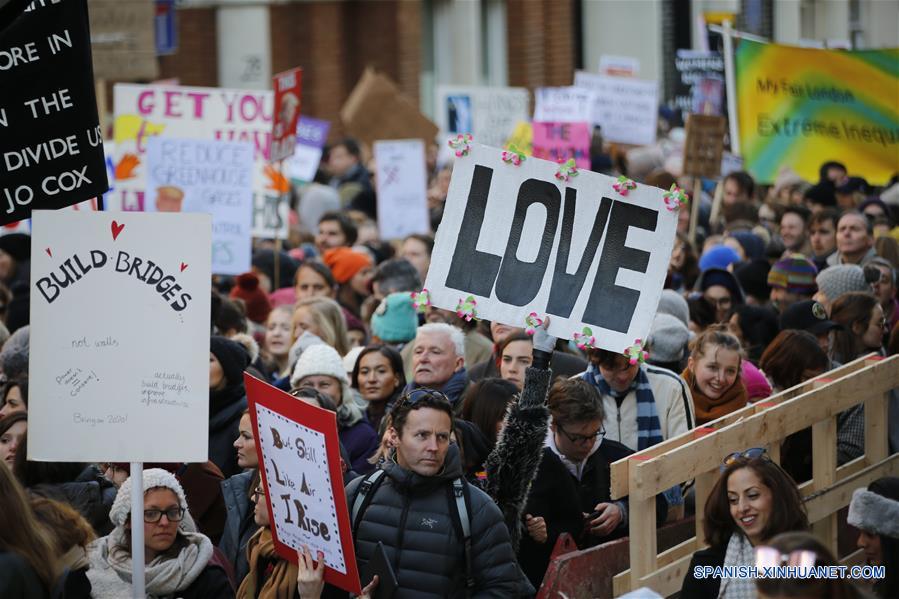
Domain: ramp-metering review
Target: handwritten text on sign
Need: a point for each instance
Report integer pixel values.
(518, 240)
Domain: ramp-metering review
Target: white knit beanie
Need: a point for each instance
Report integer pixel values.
(319, 359)
(153, 478)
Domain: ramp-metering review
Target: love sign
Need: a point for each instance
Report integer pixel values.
(586, 249)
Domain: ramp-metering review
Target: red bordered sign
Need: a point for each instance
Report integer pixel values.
(299, 459)
(288, 91)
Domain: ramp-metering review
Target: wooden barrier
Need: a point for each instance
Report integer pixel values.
(697, 455)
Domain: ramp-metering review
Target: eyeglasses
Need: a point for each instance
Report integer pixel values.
(752, 453)
(577, 438)
(417, 395)
(769, 557)
(257, 493)
(176, 514)
(721, 302)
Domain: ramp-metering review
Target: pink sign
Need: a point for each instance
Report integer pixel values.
(560, 141)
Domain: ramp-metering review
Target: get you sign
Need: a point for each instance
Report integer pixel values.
(522, 236)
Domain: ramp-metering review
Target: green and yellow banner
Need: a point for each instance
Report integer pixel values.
(800, 107)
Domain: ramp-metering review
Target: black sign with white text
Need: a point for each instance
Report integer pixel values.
(51, 145)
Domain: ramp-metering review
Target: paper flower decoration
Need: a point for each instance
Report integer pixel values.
(531, 322)
(466, 308)
(513, 156)
(567, 170)
(585, 339)
(623, 185)
(635, 353)
(675, 198)
(461, 144)
(421, 301)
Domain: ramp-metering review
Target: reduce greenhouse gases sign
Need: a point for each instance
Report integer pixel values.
(522, 239)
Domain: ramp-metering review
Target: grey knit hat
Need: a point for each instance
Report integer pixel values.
(834, 281)
(668, 338)
(153, 478)
(674, 304)
(14, 356)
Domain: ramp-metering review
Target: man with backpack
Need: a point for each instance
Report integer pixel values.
(442, 537)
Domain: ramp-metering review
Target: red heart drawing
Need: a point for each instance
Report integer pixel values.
(116, 229)
(183, 266)
(49, 253)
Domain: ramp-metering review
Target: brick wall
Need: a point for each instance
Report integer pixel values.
(196, 62)
(541, 43)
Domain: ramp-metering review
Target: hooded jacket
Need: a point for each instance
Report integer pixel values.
(412, 516)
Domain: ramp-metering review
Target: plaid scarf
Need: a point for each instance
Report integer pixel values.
(649, 428)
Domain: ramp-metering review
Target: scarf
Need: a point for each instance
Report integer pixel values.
(739, 553)
(281, 582)
(708, 409)
(110, 572)
(649, 428)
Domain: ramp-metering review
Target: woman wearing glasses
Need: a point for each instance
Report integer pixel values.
(753, 500)
(570, 492)
(177, 558)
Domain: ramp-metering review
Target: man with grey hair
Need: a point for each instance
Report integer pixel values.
(438, 361)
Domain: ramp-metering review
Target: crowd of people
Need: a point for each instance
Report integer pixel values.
(469, 447)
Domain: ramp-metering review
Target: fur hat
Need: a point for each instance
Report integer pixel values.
(668, 338)
(153, 478)
(345, 263)
(395, 320)
(834, 281)
(319, 359)
(14, 356)
(254, 298)
(232, 355)
(675, 304)
(796, 274)
(874, 513)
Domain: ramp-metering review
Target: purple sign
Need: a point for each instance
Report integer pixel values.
(312, 132)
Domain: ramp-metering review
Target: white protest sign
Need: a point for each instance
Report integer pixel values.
(119, 362)
(144, 111)
(271, 216)
(215, 177)
(488, 113)
(626, 108)
(402, 188)
(563, 105)
(518, 240)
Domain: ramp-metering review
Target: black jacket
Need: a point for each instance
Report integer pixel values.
(225, 409)
(18, 580)
(412, 516)
(700, 588)
(211, 583)
(562, 500)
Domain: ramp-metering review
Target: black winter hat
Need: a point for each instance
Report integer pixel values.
(17, 245)
(232, 356)
(264, 262)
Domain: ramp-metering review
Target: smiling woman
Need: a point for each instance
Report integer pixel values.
(177, 557)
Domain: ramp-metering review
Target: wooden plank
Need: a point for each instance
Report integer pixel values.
(856, 558)
(666, 581)
(831, 500)
(704, 484)
(642, 524)
(705, 453)
(876, 422)
(824, 467)
(619, 468)
(687, 548)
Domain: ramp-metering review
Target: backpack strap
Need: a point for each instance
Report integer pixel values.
(364, 495)
(465, 525)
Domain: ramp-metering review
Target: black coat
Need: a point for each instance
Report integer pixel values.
(212, 583)
(700, 588)
(225, 409)
(412, 516)
(558, 497)
(18, 580)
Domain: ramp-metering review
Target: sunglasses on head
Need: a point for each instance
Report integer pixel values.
(769, 557)
(750, 454)
(416, 395)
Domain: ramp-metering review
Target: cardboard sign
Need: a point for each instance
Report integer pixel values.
(402, 188)
(377, 110)
(488, 113)
(144, 111)
(299, 459)
(516, 239)
(312, 134)
(288, 91)
(123, 38)
(626, 108)
(271, 216)
(119, 363)
(564, 105)
(704, 145)
(188, 175)
(51, 145)
(558, 142)
(693, 68)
